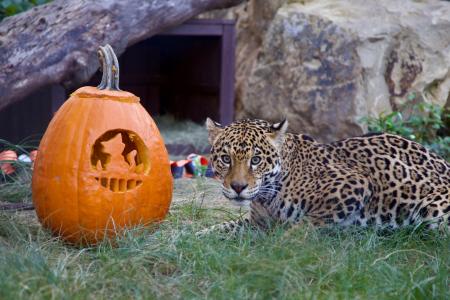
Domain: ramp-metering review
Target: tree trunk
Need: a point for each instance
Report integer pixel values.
(58, 42)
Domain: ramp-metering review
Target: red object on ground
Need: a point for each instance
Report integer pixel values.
(194, 166)
(33, 155)
(7, 168)
(203, 161)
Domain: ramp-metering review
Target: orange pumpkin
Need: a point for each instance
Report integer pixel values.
(102, 165)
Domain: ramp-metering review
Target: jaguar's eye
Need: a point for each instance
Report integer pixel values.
(226, 159)
(255, 160)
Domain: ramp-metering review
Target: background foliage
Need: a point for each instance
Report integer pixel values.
(428, 124)
(12, 7)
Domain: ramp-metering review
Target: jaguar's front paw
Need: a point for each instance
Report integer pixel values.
(204, 232)
(227, 228)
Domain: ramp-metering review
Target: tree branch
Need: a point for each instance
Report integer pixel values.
(57, 42)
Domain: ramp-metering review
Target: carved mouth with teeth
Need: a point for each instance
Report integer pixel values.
(118, 184)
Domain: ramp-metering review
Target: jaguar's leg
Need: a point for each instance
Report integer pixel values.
(343, 202)
(229, 228)
(310, 223)
(434, 210)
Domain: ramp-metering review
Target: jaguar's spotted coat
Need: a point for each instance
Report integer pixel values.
(379, 179)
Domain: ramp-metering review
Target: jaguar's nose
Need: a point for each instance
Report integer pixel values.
(238, 187)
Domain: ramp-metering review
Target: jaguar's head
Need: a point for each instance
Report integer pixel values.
(245, 156)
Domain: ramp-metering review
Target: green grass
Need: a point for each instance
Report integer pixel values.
(169, 262)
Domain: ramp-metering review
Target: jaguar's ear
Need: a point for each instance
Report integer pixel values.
(278, 130)
(214, 129)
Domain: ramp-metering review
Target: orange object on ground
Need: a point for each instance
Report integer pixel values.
(7, 167)
(102, 165)
(33, 155)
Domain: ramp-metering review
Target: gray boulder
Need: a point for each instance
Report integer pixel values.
(326, 64)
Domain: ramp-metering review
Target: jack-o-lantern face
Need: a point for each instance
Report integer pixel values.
(120, 159)
(102, 165)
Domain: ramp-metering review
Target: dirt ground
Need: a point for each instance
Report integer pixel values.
(202, 192)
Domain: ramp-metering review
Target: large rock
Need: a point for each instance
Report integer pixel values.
(308, 71)
(326, 64)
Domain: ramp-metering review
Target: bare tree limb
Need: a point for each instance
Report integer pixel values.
(57, 42)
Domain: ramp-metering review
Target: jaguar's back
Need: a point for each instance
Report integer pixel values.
(410, 181)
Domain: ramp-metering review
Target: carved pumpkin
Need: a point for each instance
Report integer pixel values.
(102, 165)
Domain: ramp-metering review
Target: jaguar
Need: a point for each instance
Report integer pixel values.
(378, 179)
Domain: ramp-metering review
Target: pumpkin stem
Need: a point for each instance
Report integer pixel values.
(110, 68)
